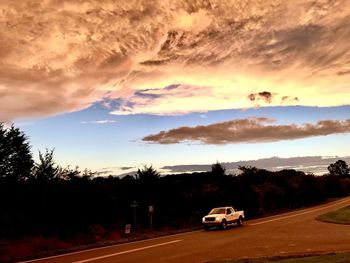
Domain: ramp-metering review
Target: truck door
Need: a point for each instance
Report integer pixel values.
(235, 215)
(230, 214)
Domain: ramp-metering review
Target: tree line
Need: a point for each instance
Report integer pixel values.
(45, 199)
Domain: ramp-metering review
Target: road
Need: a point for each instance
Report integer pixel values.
(291, 233)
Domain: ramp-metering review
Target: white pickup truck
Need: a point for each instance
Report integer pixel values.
(222, 217)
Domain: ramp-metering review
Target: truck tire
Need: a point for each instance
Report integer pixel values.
(206, 228)
(223, 224)
(240, 221)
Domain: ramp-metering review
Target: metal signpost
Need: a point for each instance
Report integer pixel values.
(150, 212)
(134, 205)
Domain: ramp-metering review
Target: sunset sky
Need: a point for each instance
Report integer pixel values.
(113, 85)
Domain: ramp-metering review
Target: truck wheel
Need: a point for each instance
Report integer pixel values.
(240, 221)
(206, 228)
(223, 224)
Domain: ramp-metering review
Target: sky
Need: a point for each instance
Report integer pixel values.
(114, 85)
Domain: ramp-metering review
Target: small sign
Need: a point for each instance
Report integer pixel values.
(150, 209)
(127, 228)
(134, 204)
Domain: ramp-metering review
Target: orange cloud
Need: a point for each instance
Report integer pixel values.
(251, 130)
(58, 56)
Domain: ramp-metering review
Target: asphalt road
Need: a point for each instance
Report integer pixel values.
(290, 233)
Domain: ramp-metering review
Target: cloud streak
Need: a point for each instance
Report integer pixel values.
(311, 164)
(98, 122)
(251, 130)
(59, 56)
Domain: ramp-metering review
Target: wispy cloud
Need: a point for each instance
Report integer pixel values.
(25, 123)
(251, 130)
(176, 99)
(98, 122)
(58, 56)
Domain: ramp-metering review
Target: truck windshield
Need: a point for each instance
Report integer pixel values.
(217, 211)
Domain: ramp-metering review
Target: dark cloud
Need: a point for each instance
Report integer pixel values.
(251, 130)
(126, 168)
(154, 62)
(288, 99)
(172, 87)
(266, 96)
(147, 94)
(345, 72)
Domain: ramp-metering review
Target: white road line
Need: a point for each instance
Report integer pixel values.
(127, 251)
(110, 246)
(298, 214)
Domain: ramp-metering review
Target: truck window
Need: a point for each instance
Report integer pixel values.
(217, 211)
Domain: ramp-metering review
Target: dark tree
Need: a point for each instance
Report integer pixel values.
(88, 174)
(148, 180)
(248, 169)
(16, 160)
(218, 169)
(147, 173)
(46, 169)
(68, 173)
(339, 168)
(4, 151)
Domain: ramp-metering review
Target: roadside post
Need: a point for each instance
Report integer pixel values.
(134, 205)
(150, 212)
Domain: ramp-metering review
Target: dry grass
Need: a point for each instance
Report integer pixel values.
(39, 246)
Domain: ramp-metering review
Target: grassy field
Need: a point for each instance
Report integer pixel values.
(341, 216)
(330, 258)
